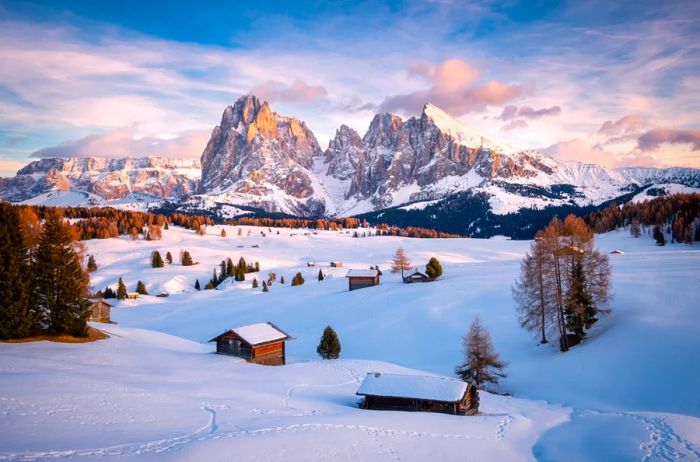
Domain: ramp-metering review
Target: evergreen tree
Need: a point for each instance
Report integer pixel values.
(659, 235)
(196, 285)
(165, 226)
(481, 363)
(169, 256)
(257, 267)
(187, 259)
(156, 260)
(255, 283)
(329, 346)
(60, 286)
(109, 293)
(297, 280)
(282, 280)
(222, 272)
(320, 275)
(242, 266)
(121, 290)
(141, 288)
(264, 287)
(209, 286)
(16, 315)
(433, 269)
(580, 312)
(230, 269)
(91, 264)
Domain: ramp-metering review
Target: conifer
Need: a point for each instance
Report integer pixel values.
(169, 257)
(196, 285)
(400, 262)
(156, 260)
(255, 283)
(187, 259)
(433, 269)
(320, 275)
(481, 363)
(264, 287)
(121, 290)
(329, 345)
(141, 288)
(282, 280)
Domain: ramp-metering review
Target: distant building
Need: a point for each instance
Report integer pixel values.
(100, 311)
(418, 393)
(132, 295)
(336, 264)
(359, 279)
(416, 276)
(262, 343)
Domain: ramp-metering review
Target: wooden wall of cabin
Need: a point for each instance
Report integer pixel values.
(272, 354)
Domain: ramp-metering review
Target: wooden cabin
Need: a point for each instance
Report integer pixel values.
(336, 264)
(262, 343)
(416, 276)
(99, 311)
(132, 295)
(418, 393)
(359, 279)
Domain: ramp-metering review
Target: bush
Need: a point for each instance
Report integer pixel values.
(433, 269)
(298, 280)
(156, 260)
(329, 346)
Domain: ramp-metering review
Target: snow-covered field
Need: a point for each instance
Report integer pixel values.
(155, 390)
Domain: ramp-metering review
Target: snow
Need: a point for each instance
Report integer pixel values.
(155, 390)
(412, 386)
(261, 332)
(361, 273)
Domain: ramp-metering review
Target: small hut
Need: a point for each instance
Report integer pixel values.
(359, 279)
(416, 276)
(418, 393)
(99, 311)
(262, 343)
(336, 264)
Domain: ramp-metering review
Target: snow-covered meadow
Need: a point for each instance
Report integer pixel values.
(156, 390)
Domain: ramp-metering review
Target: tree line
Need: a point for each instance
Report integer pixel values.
(43, 286)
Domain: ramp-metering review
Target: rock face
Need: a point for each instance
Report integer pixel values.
(108, 178)
(263, 155)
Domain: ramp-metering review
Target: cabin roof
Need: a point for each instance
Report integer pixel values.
(418, 273)
(360, 273)
(413, 387)
(99, 300)
(257, 334)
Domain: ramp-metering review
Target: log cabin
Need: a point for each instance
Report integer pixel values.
(418, 393)
(358, 279)
(100, 311)
(336, 264)
(262, 343)
(416, 276)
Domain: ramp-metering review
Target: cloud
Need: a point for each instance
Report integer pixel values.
(452, 90)
(652, 139)
(513, 124)
(595, 153)
(625, 125)
(125, 142)
(526, 112)
(298, 92)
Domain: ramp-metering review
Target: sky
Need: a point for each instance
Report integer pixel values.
(606, 82)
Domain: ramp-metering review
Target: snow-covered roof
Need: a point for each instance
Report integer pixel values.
(413, 387)
(256, 334)
(360, 273)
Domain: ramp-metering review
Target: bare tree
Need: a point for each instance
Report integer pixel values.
(635, 228)
(401, 262)
(481, 362)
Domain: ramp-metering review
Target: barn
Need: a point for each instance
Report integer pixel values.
(359, 279)
(262, 343)
(100, 311)
(418, 393)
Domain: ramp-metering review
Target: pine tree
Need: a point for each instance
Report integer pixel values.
(242, 266)
(230, 269)
(196, 285)
(255, 283)
(659, 235)
(329, 346)
(297, 280)
(282, 280)
(59, 285)
(165, 226)
(320, 275)
(257, 267)
(168, 255)
(156, 260)
(401, 262)
(91, 264)
(141, 288)
(121, 290)
(222, 271)
(109, 293)
(16, 316)
(187, 259)
(433, 269)
(481, 363)
(580, 312)
(264, 287)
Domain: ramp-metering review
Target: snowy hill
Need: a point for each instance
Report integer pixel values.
(630, 386)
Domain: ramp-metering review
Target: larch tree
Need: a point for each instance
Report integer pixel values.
(91, 264)
(16, 315)
(59, 284)
(481, 362)
(141, 288)
(156, 260)
(187, 259)
(400, 262)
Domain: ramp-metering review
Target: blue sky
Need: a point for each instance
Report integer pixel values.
(600, 81)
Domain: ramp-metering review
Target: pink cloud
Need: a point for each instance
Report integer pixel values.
(298, 92)
(124, 142)
(10, 167)
(450, 75)
(652, 139)
(625, 125)
(526, 112)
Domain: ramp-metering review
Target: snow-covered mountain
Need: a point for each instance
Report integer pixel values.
(258, 158)
(101, 178)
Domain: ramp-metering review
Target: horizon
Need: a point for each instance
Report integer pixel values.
(616, 87)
